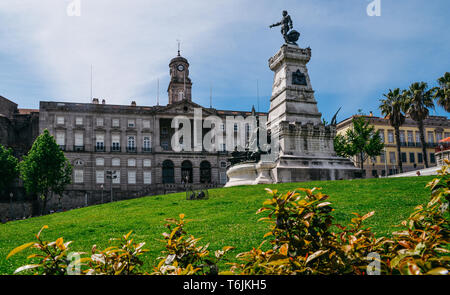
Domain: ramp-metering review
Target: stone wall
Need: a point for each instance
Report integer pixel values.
(22, 208)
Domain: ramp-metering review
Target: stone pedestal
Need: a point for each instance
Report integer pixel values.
(250, 174)
(306, 145)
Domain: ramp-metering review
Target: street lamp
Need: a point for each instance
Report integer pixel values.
(102, 192)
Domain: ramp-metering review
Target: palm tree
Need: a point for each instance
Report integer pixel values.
(443, 92)
(392, 107)
(418, 101)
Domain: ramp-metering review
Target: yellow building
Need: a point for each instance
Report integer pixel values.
(436, 128)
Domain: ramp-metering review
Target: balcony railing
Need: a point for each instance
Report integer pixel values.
(116, 149)
(99, 148)
(131, 149)
(147, 149)
(62, 147)
(78, 148)
(411, 144)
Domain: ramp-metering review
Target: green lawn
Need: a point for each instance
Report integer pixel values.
(227, 218)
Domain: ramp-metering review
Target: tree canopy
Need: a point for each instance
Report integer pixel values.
(360, 142)
(8, 170)
(45, 168)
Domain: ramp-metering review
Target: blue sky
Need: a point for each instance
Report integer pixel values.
(47, 55)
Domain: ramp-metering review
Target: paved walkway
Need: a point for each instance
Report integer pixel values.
(423, 172)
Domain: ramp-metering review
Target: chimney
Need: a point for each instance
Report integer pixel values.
(133, 103)
(103, 101)
(95, 100)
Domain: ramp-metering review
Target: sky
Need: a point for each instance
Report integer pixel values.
(46, 51)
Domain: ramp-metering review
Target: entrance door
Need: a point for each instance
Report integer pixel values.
(168, 173)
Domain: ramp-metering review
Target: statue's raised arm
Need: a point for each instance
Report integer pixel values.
(287, 25)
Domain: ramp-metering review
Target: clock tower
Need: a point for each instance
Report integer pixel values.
(180, 84)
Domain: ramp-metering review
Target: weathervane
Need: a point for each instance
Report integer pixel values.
(179, 42)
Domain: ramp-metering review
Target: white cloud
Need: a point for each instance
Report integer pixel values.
(129, 43)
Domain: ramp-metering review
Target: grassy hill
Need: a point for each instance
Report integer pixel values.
(227, 218)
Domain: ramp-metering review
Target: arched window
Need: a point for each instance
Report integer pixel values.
(205, 172)
(168, 174)
(186, 172)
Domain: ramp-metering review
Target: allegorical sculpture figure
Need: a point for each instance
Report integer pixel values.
(290, 36)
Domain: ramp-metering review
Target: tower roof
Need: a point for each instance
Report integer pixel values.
(178, 59)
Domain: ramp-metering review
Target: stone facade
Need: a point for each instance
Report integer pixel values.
(135, 141)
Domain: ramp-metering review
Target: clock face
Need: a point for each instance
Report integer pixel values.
(180, 68)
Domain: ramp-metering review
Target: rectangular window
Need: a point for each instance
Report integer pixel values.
(432, 158)
(403, 157)
(115, 162)
(115, 141)
(390, 136)
(430, 137)
(392, 158)
(438, 136)
(131, 177)
(147, 177)
(60, 120)
(165, 145)
(131, 143)
(147, 144)
(115, 123)
(412, 158)
(100, 122)
(131, 123)
(147, 163)
(60, 138)
(410, 137)
(402, 136)
(131, 162)
(100, 142)
(374, 173)
(100, 177)
(100, 162)
(417, 137)
(419, 157)
(446, 134)
(78, 176)
(146, 124)
(79, 121)
(79, 139)
(117, 179)
(164, 131)
(381, 131)
(382, 157)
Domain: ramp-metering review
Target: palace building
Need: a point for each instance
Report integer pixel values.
(132, 143)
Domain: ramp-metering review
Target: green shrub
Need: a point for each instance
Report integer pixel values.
(183, 256)
(301, 242)
(120, 259)
(53, 256)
